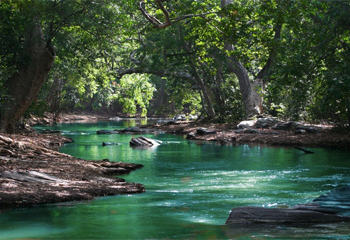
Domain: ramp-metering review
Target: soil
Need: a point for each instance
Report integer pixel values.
(325, 136)
(32, 172)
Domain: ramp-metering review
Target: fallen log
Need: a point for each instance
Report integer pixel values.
(249, 215)
(304, 150)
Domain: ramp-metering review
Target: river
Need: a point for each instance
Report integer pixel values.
(190, 189)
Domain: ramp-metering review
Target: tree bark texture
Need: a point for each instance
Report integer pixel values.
(252, 99)
(250, 92)
(24, 86)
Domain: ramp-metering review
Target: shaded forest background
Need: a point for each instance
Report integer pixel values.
(221, 60)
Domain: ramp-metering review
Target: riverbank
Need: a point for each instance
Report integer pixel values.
(323, 136)
(32, 172)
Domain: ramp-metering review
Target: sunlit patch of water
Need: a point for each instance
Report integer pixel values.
(190, 189)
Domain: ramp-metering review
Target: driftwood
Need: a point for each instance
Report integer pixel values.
(144, 142)
(304, 150)
(109, 144)
(246, 215)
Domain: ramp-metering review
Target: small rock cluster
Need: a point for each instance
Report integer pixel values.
(254, 126)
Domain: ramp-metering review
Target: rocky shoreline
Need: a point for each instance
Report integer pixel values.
(322, 136)
(32, 172)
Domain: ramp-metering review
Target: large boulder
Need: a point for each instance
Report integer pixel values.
(246, 124)
(144, 142)
(328, 208)
(284, 126)
(337, 199)
(265, 122)
(248, 215)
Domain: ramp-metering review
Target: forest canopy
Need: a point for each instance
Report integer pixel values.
(221, 60)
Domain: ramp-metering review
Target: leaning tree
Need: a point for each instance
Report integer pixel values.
(30, 30)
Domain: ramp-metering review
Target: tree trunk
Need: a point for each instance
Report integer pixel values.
(252, 99)
(24, 86)
(250, 92)
(207, 101)
(160, 99)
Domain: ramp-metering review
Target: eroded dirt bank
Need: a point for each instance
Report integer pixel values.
(31, 173)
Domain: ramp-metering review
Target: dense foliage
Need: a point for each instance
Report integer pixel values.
(171, 57)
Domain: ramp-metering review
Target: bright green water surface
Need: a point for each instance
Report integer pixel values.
(191, 188)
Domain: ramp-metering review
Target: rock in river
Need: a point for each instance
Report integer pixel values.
(246, 215)
(144, 142)
(328, 208)
(107, 132)
(205, 131)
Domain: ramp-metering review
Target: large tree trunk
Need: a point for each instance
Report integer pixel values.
(251, 91)
(24, 86)
(252, 97)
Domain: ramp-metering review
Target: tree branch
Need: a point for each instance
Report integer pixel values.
(156, 23)
(262, 74)
(168, 22)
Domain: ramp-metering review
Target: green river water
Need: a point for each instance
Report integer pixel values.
(191, 188)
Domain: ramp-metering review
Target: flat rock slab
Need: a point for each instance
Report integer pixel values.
(337, 199)
(248, 215)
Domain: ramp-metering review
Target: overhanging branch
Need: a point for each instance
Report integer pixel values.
(168, 22)
(156, 23)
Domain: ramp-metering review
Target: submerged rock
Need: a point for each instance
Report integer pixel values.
(107, 132)
(136, 130)
(109, 144)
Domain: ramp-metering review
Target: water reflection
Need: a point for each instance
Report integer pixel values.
(191, 188)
